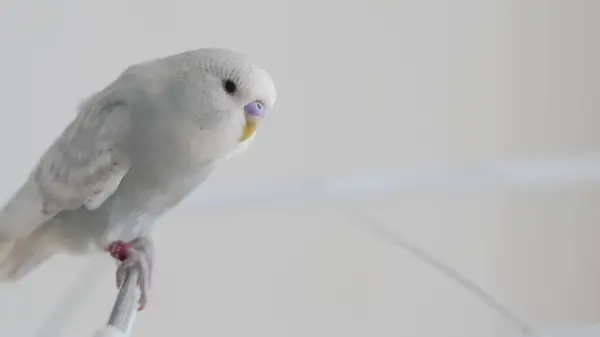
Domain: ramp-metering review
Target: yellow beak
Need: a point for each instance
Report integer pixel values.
(249, 129)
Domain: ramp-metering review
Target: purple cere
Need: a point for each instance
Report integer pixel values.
(255, 109)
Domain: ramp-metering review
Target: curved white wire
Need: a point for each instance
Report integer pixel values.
(380, 231)
(532, 173)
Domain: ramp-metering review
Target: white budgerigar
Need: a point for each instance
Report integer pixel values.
(134, 150)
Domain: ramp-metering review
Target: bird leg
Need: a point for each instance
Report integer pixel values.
(135, 254)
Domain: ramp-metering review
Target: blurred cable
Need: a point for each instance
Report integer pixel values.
(379, 230)
(533, 173)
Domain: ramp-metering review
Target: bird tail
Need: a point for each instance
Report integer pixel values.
(19, 257)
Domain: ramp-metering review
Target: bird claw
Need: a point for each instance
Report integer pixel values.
(135, 254)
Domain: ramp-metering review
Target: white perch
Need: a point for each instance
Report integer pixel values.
(124, 310)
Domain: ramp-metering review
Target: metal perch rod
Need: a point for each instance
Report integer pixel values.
(126, 304)
(125, 308)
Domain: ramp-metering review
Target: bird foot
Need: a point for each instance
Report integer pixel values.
(135, 254)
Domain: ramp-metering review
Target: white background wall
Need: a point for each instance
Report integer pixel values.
(364, 87)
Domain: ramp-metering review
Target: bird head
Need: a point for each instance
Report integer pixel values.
(236, 89)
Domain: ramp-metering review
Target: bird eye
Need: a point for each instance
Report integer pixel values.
(229, 87)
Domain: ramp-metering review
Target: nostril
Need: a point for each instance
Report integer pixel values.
(255, 108)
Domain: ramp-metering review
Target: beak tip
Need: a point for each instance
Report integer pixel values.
(248, 131)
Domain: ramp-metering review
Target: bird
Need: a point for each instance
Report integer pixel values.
(134, 150)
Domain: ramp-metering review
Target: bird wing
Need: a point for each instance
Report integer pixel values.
(82, 168)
